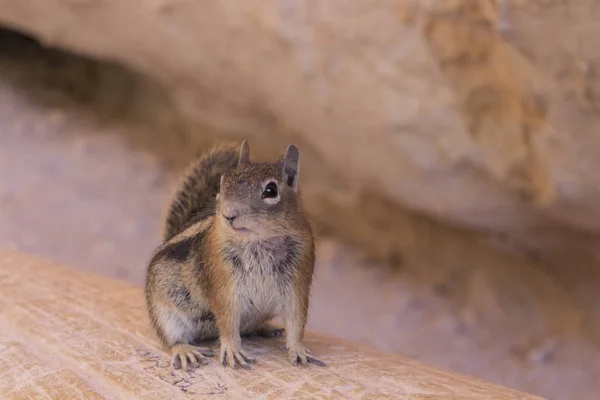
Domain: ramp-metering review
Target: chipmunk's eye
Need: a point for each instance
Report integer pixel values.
(270, 190)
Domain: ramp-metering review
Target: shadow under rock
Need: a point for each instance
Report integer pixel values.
(106, 93)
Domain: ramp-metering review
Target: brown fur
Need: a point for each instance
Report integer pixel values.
(236, 253)
(194, 199)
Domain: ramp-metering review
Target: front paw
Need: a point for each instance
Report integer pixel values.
(233, 355)
(302, 354)
(186, 356)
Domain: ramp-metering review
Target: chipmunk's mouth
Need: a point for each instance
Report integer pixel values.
(236, 224)
(241, 230)
(238, 228)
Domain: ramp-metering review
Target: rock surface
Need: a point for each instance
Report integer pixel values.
(420, 104)
(69, 334)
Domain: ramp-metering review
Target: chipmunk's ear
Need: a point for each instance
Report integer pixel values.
(244, 153)
(291, 166)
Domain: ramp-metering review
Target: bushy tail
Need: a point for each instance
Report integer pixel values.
(195, 200)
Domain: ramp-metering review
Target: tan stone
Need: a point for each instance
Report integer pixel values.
(420, 104)
(68, 334)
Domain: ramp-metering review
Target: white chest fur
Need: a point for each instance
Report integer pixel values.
(263, 271)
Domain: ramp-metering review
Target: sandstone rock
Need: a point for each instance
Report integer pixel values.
(69, 334)
(418, 104)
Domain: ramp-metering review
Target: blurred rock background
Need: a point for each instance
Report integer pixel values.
(449, 170)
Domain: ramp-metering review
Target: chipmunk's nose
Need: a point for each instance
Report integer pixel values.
(230, 216)
(233, 211)
(230, 213)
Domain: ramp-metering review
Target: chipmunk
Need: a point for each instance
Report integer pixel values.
(237, 251)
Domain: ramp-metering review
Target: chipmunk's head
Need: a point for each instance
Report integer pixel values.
(260, 200)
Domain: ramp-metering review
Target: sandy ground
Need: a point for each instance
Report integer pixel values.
(88, 157)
